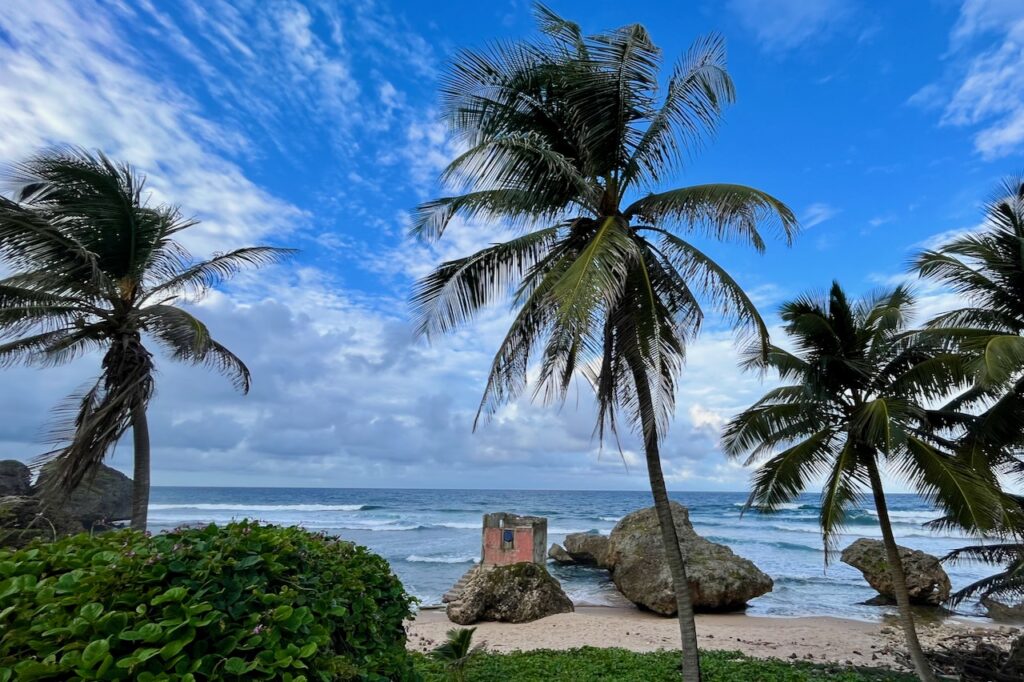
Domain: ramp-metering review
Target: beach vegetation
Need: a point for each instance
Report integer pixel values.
(861, 395)
(568, 141)
(242, 601)
(456, 652)
(591, 664)
(94, 266)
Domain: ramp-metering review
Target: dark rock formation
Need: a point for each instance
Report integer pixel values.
(517, 593)
(719, 579)
(23, 519)
(1004, 613)
(927, 582)
(102, 498)
(15, 478)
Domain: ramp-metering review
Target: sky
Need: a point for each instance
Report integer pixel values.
(885, 126)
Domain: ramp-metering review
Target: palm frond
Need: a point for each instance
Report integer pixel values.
(725, 212)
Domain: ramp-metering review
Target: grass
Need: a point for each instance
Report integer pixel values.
(591, 664)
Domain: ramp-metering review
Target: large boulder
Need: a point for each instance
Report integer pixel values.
(588, 549)
(1004, 612)
(517, 593)
(927, 582)
(558, 554)
(15, 478)
(102, 498)
(719, 579)
(23, 519)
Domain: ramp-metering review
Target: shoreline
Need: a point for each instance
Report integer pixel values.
(821, 639)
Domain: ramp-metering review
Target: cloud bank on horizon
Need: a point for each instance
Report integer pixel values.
(313, 124)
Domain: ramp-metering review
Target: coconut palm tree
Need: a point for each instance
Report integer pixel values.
(95, 267)
(565, 140)
(856, 402)
(986, 268)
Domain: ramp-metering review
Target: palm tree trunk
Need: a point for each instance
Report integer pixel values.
(899, 579)
(669, 537)
(140, 477)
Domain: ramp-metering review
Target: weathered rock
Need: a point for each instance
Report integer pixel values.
(23, 519)
(1003, 612)
(719, 579)
(927, 582)
(558, 554)
(15, 478)
(101, 498)
(588, 549)
(517, 593)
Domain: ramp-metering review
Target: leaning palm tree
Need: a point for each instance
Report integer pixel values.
(565, 140)
(95, 268)
(856, 400)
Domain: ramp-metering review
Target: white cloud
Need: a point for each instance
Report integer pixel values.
(343, 395)
(84, 93)
(780, 25)
(817, 213)
(987, 53)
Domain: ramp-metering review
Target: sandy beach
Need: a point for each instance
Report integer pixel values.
(821, 639)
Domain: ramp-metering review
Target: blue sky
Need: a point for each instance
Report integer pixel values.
(313, 124)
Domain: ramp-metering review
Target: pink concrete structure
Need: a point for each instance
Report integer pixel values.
(512, 539)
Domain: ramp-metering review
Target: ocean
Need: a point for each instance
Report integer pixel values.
(431, 537)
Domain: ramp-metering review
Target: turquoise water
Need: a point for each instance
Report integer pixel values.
(431, 537)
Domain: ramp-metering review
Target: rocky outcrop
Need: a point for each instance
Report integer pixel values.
(588, 549)
(927, 582)
(102, 498)
(719, 579)
(558, 554)
(1003, 612)
(15, 478)
(517, 593)
(23, 519)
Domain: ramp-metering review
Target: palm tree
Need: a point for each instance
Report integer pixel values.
(856, 401)
(987, 269)
(565, 139)
(95, 267)
(457, 652)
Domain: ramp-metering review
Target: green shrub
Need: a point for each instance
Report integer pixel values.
(245, 601)
(590, 664)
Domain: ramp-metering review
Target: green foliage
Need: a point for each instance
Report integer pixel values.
(606, 665)
(859, 397)
(240, 602)
(92, 266)
(568, 136)
(457, 652)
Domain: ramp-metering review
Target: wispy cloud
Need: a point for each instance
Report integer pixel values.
(780, 25)
(986, 75)
(817, 213)
(87, 94)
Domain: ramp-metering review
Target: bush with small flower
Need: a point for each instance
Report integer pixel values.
(243, 601)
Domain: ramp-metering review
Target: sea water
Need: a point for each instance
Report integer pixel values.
(431, 537)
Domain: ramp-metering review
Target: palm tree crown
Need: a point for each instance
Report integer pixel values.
(987, 269)
(95, 267)
(857, 396)
(558, 134)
